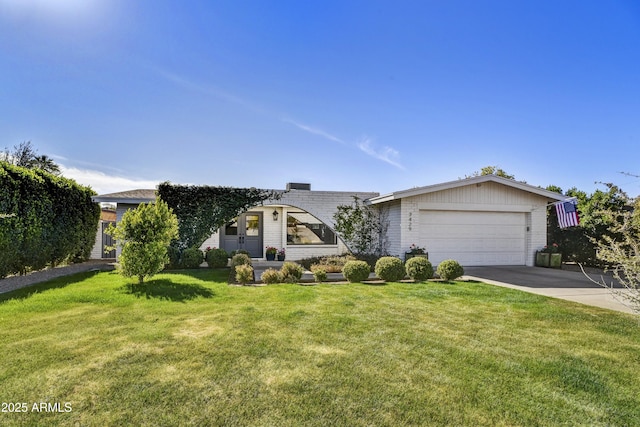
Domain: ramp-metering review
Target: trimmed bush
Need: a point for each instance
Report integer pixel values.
(217, 258)
(240, 259)
(419, 269)
(191, 258)
(291, 272)
(390, 269)
(449, 269)
(244, 273)
(356, 271)
(271, 276)
(239, 251)
(319, 275)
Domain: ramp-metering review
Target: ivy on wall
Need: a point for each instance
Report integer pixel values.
(202, 210)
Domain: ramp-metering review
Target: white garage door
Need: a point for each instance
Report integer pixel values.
(474, 238)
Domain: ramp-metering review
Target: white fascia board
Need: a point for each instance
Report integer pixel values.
(464, 182)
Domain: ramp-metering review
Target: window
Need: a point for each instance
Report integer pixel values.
(305, 229)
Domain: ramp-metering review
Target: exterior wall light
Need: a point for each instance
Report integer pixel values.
(275, 215)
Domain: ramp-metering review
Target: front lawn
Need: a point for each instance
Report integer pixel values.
(190, 350)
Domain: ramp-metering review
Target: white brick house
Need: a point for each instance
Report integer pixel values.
(485, 220)
(303, 225)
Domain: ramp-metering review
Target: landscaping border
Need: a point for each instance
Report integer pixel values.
(17, 282)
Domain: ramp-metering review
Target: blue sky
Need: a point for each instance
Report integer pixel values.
(346, 95)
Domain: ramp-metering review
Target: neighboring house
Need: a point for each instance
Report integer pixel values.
(485, 220)
(103, 240)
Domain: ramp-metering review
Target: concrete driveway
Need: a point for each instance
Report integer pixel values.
(563, 284)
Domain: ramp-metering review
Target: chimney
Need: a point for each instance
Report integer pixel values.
(298, 186)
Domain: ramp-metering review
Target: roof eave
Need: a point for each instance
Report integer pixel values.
(550, 195)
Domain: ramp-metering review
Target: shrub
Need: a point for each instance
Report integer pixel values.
(271, 276)
(331, 264)
(370, 259)
(319, 275)
(174, 257)
(240, 259)
(244, 273)
(191, 258)
(356, 271)
(217, 258)
(239, 251)
(291, 272)
(419, 268)
(390, 269)
(449, 270)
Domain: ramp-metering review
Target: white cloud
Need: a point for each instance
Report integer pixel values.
(386, 154)
(312, 130)
(209, 90)
(103, 183)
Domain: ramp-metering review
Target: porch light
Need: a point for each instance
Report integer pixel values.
(275, 215)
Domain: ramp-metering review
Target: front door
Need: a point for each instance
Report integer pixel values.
(244, 232)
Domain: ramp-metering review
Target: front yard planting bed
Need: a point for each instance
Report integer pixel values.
(187, 349)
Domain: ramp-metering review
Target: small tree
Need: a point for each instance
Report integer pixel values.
(362, 227)
(144, 235)
(620, 251)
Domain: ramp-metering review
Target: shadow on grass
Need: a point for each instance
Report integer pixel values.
(374, 283)
(57, 283)
(168, 290)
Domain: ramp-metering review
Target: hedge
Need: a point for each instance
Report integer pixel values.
(44, 220)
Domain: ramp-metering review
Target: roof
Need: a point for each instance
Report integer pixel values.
(130, 196)
(549, 195)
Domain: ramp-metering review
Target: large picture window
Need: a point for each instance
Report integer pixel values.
(305, 229)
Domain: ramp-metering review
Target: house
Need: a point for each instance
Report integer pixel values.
(484, 220)
(103, 240)
(301, 222)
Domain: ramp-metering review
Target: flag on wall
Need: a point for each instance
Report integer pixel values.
(567, 213)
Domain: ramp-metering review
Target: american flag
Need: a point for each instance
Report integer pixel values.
(567, 213)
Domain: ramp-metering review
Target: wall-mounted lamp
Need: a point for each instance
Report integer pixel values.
(275, 215)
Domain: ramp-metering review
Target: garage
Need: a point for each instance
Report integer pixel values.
(474, 238)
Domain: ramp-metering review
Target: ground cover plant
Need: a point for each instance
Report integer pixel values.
(187, 349)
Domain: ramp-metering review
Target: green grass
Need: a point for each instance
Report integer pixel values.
(187, 349)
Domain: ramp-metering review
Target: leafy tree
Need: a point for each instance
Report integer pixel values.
(492, 170)
(144, 234)
(24, 155)
(201, 210)
(362, 228)
(578, 243)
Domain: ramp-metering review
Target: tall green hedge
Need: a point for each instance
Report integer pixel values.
(44, 220)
